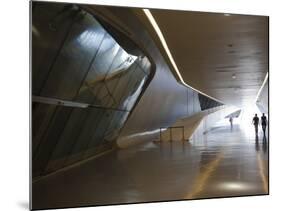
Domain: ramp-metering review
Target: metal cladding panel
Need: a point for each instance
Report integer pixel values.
(68, 138)
(72, 63)
(165, 100)
(88, 87)
(42, 114)
(45, 31)
(92, 68)
(50, 139)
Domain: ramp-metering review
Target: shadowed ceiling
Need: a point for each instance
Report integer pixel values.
(222, 55)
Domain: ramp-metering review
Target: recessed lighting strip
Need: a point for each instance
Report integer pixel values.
(165, 46)
(263, 84)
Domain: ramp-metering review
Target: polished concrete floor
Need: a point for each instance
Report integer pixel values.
(221, 163)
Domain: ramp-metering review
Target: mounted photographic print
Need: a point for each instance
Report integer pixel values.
(134, 105)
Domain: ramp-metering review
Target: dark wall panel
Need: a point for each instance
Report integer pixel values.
(74, 60)
(68, 138)
(89, 128)
(50, 139)
(207, 103)
(86, 65)
(42, 114)
(52, 24)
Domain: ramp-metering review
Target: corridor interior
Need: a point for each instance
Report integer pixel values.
(219, 163)
(106, 80)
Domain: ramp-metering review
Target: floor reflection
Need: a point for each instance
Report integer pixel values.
(221, 163)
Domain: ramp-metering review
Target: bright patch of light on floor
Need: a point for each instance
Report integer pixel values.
(235, 186)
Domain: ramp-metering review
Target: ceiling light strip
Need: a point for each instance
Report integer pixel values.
(165, 46)
(263, 84)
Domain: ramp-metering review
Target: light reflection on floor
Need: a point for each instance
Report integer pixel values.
(223, 162)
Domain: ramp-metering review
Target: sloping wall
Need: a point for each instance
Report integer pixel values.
(262, 101)
(165, 100)
(84, 85)
(98, 79)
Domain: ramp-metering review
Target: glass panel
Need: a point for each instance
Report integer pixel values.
(50, 139)
(68, 138)
(111, 86)
(110, 62)
(125, 78)
(105, 126)
(133, 89)
(50, 25)
(121, 62)
(94, 116)
(85, 65)
(144, 64)
(41, 117)
(75, 59)
(99, 68)
(118, 119)
(101, 128)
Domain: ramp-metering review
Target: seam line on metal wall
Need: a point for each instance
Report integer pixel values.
(54, 101)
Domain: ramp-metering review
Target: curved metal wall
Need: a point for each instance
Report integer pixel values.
(84, 85)
(165, 100)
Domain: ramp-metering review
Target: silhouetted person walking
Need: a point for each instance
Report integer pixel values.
(263, 123)
(256, 121)
(231, 122)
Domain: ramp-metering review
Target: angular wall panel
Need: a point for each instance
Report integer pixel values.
(83, 91)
